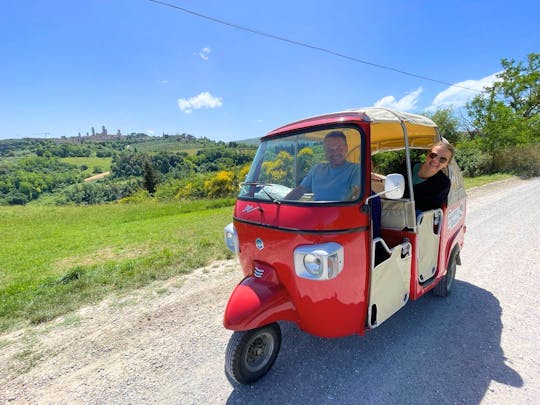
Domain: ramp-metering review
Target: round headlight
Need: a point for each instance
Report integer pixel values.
(313, 264)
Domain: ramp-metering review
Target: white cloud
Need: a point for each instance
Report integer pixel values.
(204, 53)
(203, 100)
(456, 97)
(407, 102)
(452, 97)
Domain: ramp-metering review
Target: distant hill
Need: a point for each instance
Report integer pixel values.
(142, 142)
(252, 141)
(55, 169)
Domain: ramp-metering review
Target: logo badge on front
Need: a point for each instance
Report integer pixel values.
(248, 208)
(259, 243)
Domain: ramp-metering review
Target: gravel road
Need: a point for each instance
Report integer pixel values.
(166, 344)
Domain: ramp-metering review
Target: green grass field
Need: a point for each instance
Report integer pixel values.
(91, 162)
(55, 259)
(470, 182)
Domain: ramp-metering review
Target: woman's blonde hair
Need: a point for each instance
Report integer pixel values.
(448, 146)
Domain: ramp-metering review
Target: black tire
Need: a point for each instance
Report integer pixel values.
(252, 353)
(444, 287)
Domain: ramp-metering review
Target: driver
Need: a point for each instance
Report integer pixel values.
(336, 180)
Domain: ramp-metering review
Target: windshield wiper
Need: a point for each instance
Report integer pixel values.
(263, 189)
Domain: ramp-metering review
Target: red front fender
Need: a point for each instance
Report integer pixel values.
(257, 302)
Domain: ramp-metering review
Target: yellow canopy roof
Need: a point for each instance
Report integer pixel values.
(390, 129)
(387, 129)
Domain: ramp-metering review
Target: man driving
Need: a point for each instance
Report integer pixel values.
(336, 180)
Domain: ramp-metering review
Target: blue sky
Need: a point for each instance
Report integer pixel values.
(138, 66)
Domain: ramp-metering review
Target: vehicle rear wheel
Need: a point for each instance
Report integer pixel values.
(444, 287)
(252, 353)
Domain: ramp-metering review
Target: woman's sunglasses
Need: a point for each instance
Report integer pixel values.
(442, 159)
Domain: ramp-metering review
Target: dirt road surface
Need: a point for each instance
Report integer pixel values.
(97, 176)
(165, 344)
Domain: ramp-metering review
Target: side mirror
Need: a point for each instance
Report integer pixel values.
(394, 186)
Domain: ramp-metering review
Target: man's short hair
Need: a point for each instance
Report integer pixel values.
(336, 134)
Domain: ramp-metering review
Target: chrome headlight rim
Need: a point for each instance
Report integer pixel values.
(313, 263)
(318, 262)
(231, 238)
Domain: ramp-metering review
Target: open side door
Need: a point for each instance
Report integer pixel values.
(390, 281)
(429, 226)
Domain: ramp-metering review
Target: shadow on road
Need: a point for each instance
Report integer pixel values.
(434, 350)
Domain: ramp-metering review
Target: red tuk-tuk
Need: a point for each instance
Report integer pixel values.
(315, 261)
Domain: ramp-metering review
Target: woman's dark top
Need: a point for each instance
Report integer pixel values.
(431, 193)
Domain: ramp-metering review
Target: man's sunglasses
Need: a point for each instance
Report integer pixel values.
(442, 159)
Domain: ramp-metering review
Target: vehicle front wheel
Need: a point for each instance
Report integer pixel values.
(250, 354)
(445, 285)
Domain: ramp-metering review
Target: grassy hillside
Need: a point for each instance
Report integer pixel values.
(54, 259)
(91, 163)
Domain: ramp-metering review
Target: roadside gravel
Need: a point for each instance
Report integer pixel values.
(121, 350)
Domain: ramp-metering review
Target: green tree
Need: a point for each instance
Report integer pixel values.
(507, 113)
(150, 177)
(505, 119)
(128, 164)
(447, 122)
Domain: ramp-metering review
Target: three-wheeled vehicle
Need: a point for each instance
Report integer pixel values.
(313, 262)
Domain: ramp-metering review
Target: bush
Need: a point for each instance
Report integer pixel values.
(16, 198)
(99, 192)
(137, 197)
(520, 160)
(192, 187)
(220, 185)
(394, 161)
(168, 189)
(472, 161)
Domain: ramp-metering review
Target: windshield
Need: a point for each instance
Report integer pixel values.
(315, 166)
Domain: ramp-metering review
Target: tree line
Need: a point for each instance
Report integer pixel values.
(500, 132)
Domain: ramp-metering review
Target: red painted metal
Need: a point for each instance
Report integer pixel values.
(325, 308)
